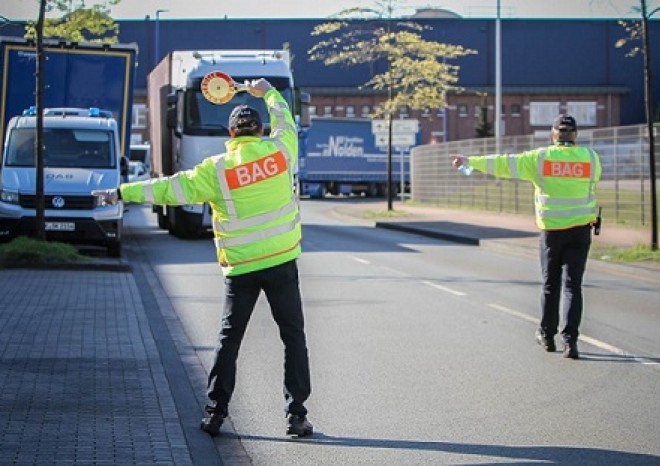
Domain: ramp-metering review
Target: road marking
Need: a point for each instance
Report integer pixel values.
(520, 315)
(585, 338)
(360, 260)
(443, 288)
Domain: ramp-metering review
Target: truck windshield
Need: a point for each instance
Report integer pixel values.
(63, 147)
(203, 118)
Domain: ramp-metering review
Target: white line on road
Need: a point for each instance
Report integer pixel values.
(520, 315)
(360, 260)
(587, 339)
(443, 288)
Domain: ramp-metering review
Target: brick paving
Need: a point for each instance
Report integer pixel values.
(81, 379)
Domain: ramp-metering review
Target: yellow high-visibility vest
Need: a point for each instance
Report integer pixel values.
(256, 219)
(564, 179)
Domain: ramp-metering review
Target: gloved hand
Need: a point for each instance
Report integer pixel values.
(258, 87)
(106, 197)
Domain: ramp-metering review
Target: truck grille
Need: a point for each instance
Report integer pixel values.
(70, 202)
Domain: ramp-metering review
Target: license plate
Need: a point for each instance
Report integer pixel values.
(60, 226)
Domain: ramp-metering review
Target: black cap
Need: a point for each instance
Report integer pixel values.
(565, 123)
(244, 117)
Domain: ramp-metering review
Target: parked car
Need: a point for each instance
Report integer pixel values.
(137, 171)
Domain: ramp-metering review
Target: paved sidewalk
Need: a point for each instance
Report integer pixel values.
(82, 380)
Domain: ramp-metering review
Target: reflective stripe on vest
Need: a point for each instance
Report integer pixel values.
(176, 187)
(258, 235)
(257, 219)
(565, 169)
(511, 161)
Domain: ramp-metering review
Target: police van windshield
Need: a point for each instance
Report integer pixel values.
(63, 147)
(202, 118)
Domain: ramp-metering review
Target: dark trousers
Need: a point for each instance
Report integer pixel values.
(280, 284)
(563, 261)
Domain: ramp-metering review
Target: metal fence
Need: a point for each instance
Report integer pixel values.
(624, 190)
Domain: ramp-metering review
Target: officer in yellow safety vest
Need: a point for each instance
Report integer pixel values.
(564, 177)
(256, 224)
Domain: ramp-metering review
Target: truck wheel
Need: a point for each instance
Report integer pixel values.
(163, 221)
(184, 225)
(114, 249)
(372, 190)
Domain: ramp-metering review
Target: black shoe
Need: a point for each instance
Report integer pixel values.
(299, 426)
(211, 423)
(571, 350)
(547, 343)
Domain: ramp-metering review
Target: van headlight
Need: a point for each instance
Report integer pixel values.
(9, 197)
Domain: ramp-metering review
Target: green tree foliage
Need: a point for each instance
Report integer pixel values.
(419, 73)
(79, 22)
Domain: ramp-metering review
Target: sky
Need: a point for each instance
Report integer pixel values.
(235, 9)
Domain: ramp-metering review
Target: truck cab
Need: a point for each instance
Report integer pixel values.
(185, 127)
(81, 154)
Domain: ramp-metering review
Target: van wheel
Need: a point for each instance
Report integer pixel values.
(114, 249)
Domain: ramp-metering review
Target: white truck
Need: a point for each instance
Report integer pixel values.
(185, 128)
(81, 154)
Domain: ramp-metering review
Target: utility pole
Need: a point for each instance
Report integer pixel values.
(648, 100)
(498, 80)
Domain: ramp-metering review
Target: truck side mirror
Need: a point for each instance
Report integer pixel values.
(171, 117)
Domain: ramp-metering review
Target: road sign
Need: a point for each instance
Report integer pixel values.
(404, 126)
(398, 140)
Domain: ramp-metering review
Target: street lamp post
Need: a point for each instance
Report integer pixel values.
(498, 80)
(157, 36)
(648, 97)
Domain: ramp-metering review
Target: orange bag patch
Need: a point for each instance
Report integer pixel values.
(254, 172)
(567, 169)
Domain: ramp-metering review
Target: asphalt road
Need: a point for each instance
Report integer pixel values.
(422, 352)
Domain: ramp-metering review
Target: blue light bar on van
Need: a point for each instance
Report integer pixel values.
(94, 112)
(32, 111)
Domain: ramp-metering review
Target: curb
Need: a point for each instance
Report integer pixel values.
(100, 266)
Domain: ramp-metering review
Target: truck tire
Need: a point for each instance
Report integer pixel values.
(184, 225)
(163, 220)
(114, 249)
(372, 190)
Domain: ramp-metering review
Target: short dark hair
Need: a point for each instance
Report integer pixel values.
(245, 121)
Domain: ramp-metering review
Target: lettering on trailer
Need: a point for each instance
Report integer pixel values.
(567, 169)
(254, 172)
(343, 146)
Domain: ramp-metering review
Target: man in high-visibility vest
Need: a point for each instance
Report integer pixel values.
(257, 231)
(564, 176)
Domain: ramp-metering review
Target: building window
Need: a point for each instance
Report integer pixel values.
(366, 111)
(583, 112)
(543, 113)
(139, 117)
(350, 111)
(312, 110)
(403, 111)
(327, 111)
(462, 110)
(515, 110)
